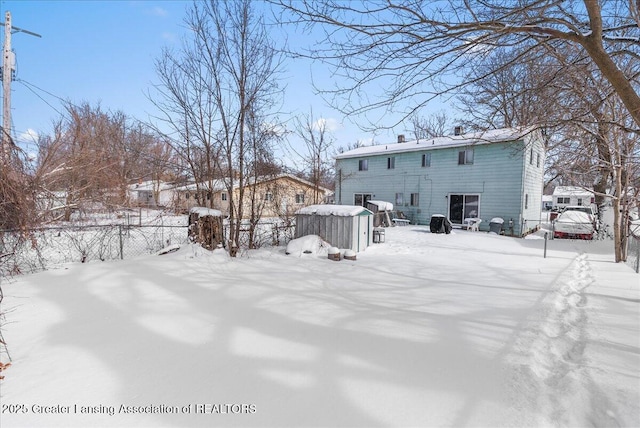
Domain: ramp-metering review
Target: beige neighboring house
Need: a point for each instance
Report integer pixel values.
(276, 196)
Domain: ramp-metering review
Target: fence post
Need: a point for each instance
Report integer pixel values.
(637, 254)
(545, 244)
(121, 242)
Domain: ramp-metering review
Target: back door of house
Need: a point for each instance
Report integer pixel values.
(463, 206)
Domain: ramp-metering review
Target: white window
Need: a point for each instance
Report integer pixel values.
(223, 196)
(426, 160)
(300, 198)
(415, 199)
(465, 157)
(391, 163)
(268, 196)
(399, 199)
(361, 199)
(363, 165)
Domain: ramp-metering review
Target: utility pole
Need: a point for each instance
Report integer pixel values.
(8, 71)
(8, 67)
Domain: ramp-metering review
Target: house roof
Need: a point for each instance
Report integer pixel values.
(151, 185)
(484, 137)
(572, 191)
(336, 210)
(219, 185)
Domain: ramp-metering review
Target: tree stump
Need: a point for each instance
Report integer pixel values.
(205, 227)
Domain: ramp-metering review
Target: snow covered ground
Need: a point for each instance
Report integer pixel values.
(466, 329)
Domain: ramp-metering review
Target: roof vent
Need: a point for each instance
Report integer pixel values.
(401, 138)
(457, 130)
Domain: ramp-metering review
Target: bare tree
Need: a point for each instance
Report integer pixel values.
(420, 49)
(93, 156)
(260, 167)
(435, 125)
(318, 142)
(225, 73)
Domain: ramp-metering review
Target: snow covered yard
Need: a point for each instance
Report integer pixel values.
(467, 329)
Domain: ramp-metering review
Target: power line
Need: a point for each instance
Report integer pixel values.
(30, 87)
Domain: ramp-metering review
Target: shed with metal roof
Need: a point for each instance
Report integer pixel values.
(343, 226)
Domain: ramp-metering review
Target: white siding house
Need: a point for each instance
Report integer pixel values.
(564, 196)
(152, 193)
(496, 173)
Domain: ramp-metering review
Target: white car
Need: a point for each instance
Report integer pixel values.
(573, 224)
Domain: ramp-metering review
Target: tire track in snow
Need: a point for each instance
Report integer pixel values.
(554, 374)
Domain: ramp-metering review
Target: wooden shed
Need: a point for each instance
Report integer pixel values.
(205, 227)
(343, 226)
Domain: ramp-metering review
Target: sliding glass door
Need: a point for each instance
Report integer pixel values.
(463, 206)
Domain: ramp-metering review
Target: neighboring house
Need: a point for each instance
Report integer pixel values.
(564, 196)
(496, 173)
(276, 196)
(152, 193)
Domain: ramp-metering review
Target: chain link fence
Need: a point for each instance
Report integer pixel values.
(47, 247)
(633, 247)
(52, 246)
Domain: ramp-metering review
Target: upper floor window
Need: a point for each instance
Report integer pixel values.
(465, 157)
(426, 159)
(363, 165)
(538, 160)
(562, 200)
(531, 156)
(300, 198)
(268, 196)
(391, 163)
(223, 196)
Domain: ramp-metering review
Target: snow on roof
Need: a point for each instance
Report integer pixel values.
(382, 205)
(151, 185)
(484, 137)
(202, 212)
(337, 210)
(571, 191)
(220, 184)
(216, 185)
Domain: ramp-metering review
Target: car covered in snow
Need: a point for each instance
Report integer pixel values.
(587, 209)
(573, 224)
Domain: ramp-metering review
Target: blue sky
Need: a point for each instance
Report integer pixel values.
(104, 51)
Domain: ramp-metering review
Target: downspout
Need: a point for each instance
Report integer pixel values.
(340, 187)
(522, 180)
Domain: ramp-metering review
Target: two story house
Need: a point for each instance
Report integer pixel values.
(483, 175)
